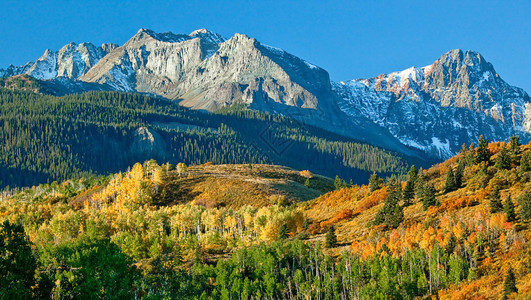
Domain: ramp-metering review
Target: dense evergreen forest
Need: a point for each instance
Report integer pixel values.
(46, 138)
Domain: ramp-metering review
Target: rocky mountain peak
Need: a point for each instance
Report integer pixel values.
(207, 36)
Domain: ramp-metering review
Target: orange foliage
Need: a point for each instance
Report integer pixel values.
(374, 199)
(342, 215)
(306, 174)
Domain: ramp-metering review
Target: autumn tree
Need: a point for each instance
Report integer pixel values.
(508, 208)
(495, 201)
(482, 153)
(331, 238)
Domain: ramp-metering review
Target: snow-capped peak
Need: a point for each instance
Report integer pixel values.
(207, 35)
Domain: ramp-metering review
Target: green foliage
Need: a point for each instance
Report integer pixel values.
(495, 201)
(391, 214)
(374, 182)
(17, 263)
(503, 161)
(525, 206)
(283, 232)
(89, 270)
(51, 138)
(508, 209)
(525, 162)
(331, 238)
(482, 153)
(307, 183)
(409, 192)
(509, 285)
(459, 173)
(428, 197)
(339, 183)
(450, 184)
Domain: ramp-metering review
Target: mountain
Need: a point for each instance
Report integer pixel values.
(431, 110)
(439, 107)
(47, 138)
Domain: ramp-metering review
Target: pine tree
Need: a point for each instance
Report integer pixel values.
(331, 238)
(450, 185)
(495, 201)
(391, 214)
(482, 153)
(283, 232)
(428, 197)
(374, 182)
(525, 164)
(525, 206)
(509, 286)
(508, 208)
(409, 192)
(307, 182)
(515, 145)
(459, 173)
(450, 245)
(412, 174)
(503, 160)
(420, 186)
(339, 183)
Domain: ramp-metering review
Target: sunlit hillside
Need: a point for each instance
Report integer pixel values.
(458, 230)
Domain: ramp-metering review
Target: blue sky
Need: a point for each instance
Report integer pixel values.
(350, 39)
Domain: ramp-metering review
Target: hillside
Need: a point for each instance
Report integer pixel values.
(50, 138)
(458, 230)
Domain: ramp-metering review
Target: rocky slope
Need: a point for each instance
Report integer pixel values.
(439, 107)
(434, 109)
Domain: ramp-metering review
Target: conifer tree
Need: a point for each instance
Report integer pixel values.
(508, 208)
(374, 182)
(515, 145)
(503, 161)
(391, 214)
(525, 165)
(307, 182)
(428, 197)
(409, 192)
(482, 153)
(525, 206)
(509, 285)
(412, 174)
(495, 201)
(331, 238)
(283, 232)
(459, 173)
(450, 185)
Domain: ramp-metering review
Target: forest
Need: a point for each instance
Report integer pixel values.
(47, 138)
(457, 230)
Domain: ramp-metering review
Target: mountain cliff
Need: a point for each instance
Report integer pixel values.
(439, 107)
(433, 110)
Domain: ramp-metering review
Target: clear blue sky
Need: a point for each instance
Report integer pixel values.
(350, 39)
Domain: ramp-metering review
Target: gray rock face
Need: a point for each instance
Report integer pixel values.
(70, 62)
(434, 109)
(439, 107)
